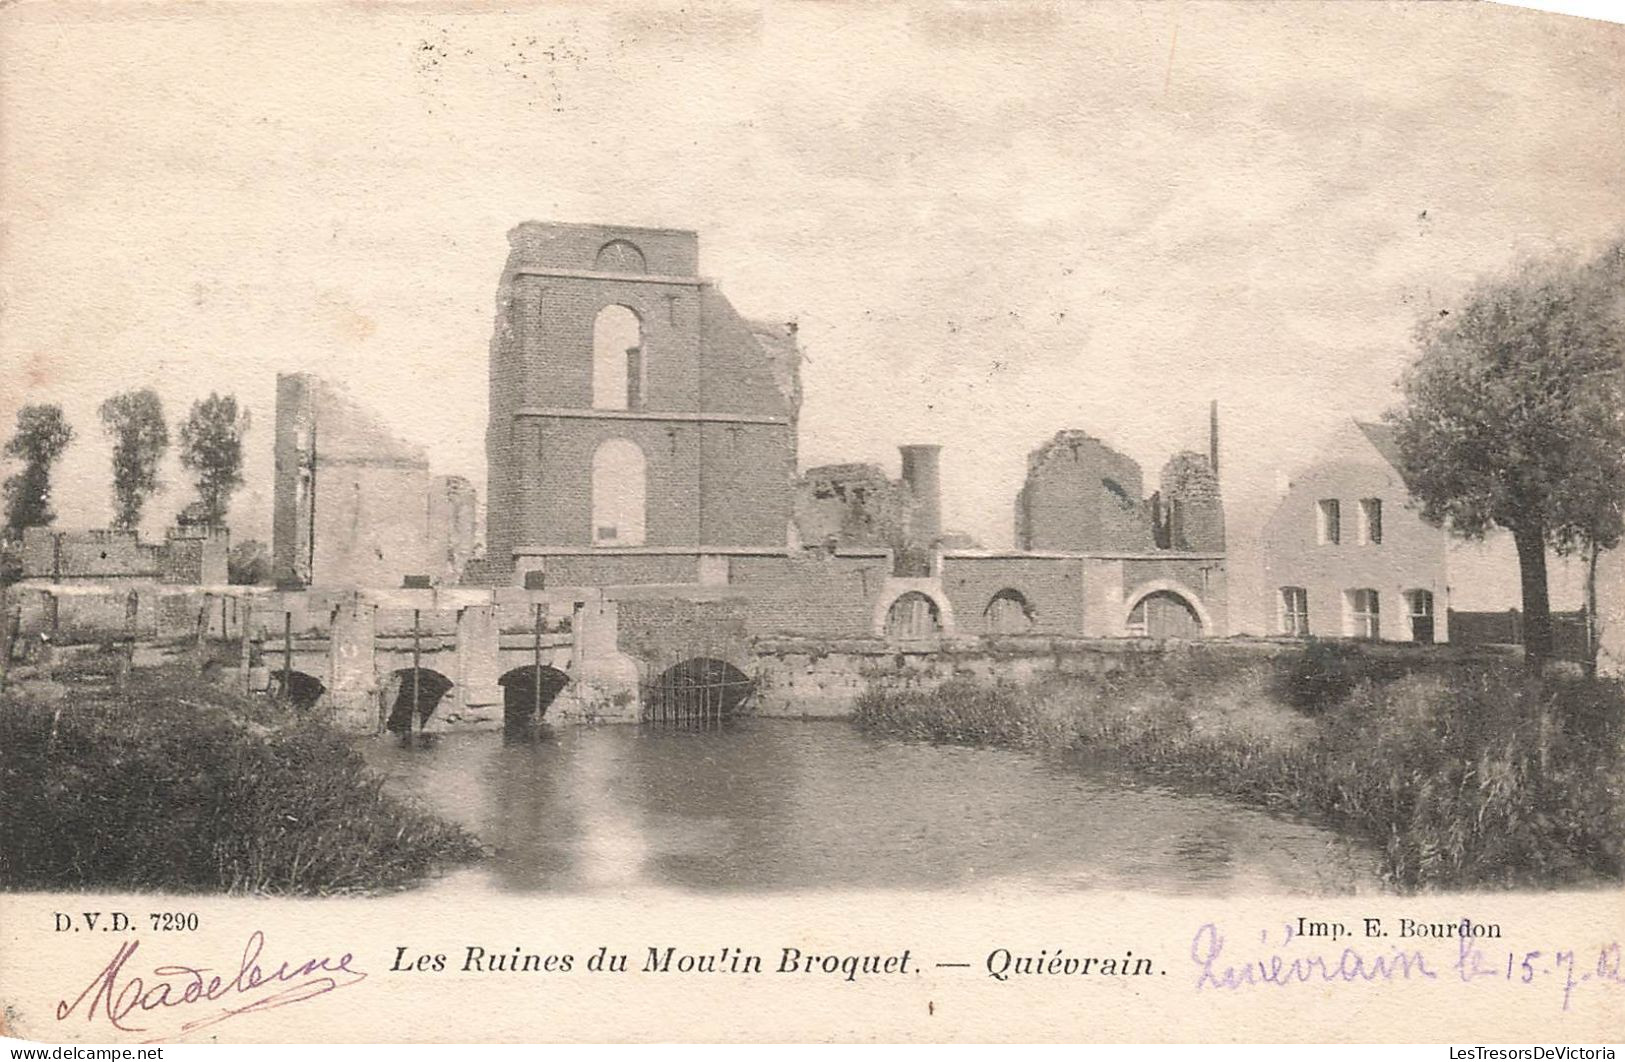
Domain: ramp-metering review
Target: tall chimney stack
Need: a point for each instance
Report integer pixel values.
(1213, 437)
(920, 472)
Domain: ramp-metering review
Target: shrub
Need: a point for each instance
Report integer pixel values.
(1474, 776)
(181, 786)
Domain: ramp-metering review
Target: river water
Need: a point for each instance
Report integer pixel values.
(771, 804)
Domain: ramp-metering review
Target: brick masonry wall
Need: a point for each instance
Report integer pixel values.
(812, 593)
(712, 485)
(661, 633)
(669, 252)
(1053, 589)
(608, 569)
(87, 554)
(1065, 504)
(1205, 579)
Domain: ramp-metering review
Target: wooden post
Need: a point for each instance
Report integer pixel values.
(132, 616)
(245, 659)
(417, 674)
(536, 669)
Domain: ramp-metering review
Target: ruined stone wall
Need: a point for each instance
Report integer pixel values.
(1052, 587)
(1081, 495)
(666, 252)
(854, 505)
(370, 493)
(719, 396)
(195, 556)
(453, 513)
(1192, 504)
(813, 678)
(88, 555)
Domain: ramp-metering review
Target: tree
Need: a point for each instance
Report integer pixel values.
(135, 421)
(41, 436)
(212, 448)
(1514, 416)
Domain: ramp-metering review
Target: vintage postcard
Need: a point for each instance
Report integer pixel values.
(925, 521)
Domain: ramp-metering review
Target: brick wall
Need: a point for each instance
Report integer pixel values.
(669, 252)
(1082, 495)
(811, 593)
(610, 569)
(706, 483)
(1204, 578)
(87, 555)
(1052, 587)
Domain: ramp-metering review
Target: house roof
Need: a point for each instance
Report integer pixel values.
(1381, 437)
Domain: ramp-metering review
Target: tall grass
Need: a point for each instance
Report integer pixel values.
(1472, 776)
(174, 784)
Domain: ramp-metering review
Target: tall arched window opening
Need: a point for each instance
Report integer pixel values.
(617, 359)
(617, 494)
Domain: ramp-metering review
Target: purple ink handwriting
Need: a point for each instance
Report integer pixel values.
(1282, 963)
(124, 997)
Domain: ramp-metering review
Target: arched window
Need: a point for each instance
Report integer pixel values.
(620, 256)
(617, 494)
(1009, 613)
(617, 359)
(914, 615)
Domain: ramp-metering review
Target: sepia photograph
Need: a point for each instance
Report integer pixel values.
(473, 473)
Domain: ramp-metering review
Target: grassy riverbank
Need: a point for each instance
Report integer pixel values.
(179, 785)
(1464, 776)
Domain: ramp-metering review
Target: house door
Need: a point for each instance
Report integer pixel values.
(1422, 616)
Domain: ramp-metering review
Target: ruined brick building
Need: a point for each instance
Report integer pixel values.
(634, 414)
(643, 432)
(354, 505)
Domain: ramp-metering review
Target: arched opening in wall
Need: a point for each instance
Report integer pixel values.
(617, 359)
(527, 693)
(620, 256)
(297, 688)
(701, 692)
(617, 494)
(1164, 614)
(913, 615)
(1009, 613)
(417, 692)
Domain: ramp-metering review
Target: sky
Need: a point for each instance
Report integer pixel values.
(992, 222)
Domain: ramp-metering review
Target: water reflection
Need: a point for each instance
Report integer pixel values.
(776, 804)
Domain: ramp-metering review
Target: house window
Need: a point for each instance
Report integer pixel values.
(1329, 522)
(1295, 611)
(1370, 521)
(1364, 614)
(617, 494)
(1421, 608)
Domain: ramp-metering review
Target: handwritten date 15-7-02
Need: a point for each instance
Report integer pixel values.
(123, 922)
